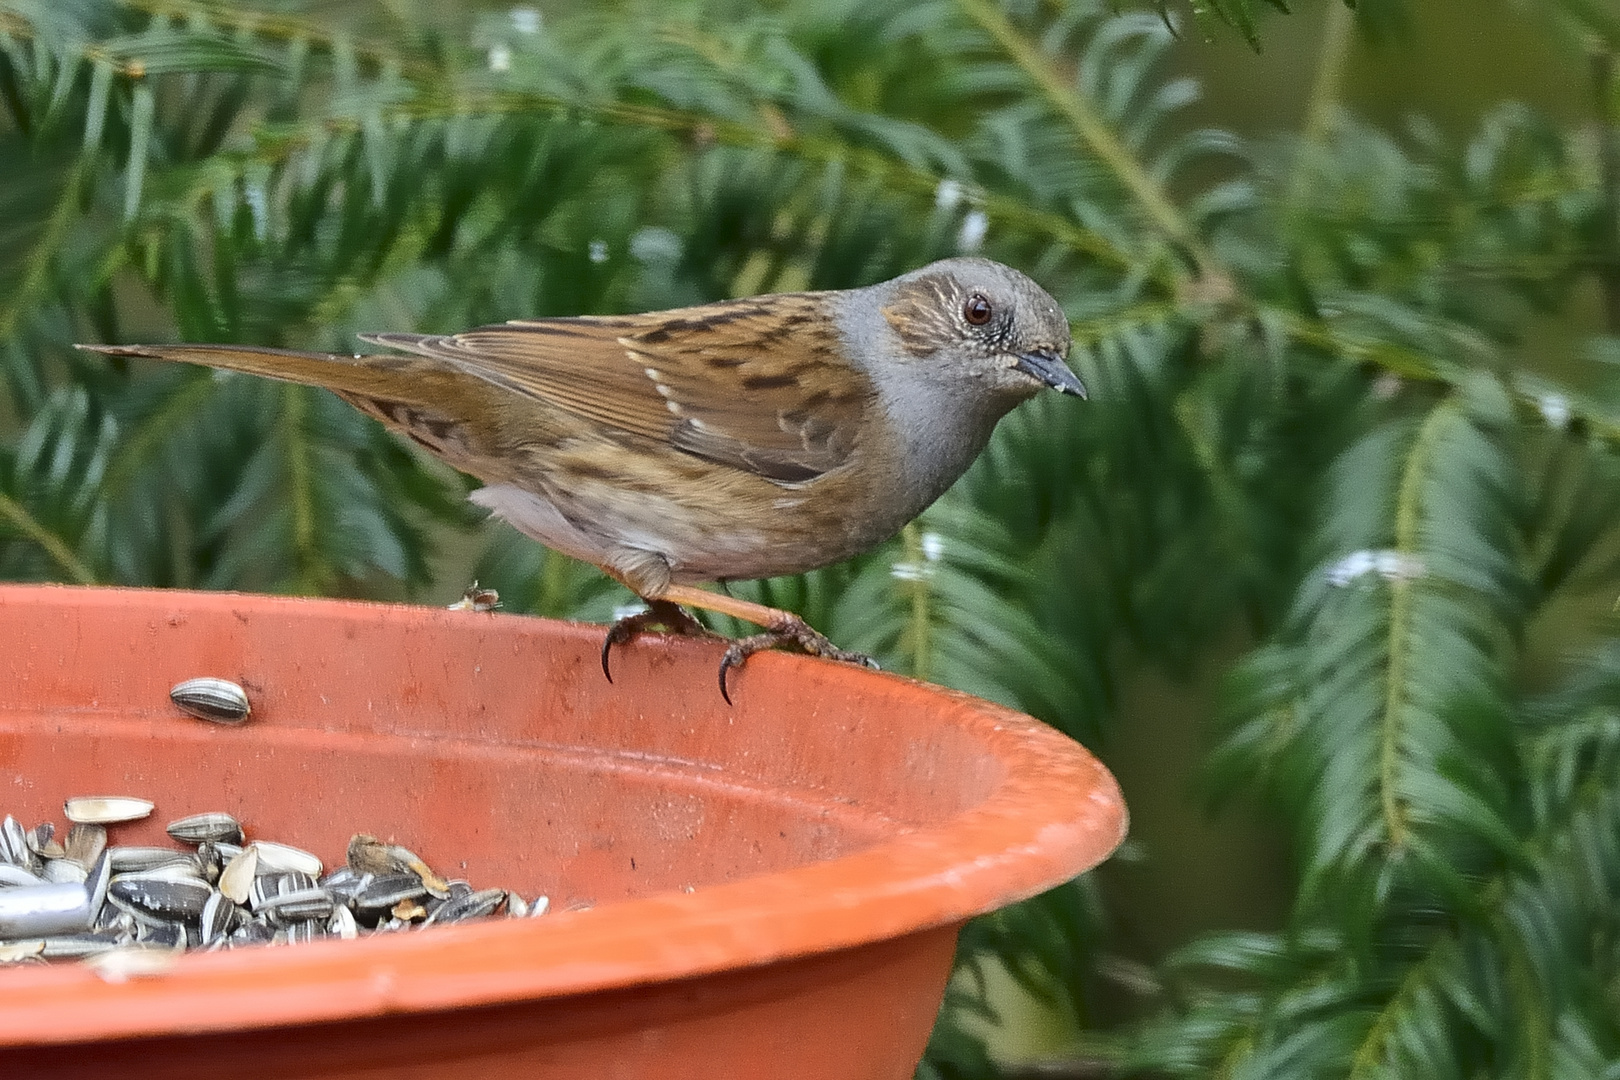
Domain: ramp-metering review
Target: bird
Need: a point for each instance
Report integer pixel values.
(740, 439)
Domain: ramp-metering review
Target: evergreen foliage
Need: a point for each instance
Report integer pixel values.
(1312, 418)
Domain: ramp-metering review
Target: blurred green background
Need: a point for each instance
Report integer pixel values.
(1325, 570)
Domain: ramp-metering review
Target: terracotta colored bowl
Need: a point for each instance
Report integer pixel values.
(766, 891)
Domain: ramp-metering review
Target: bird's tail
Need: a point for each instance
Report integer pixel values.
(448, 412)
(364, 375)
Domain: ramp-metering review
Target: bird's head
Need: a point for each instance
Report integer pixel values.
(974, 319)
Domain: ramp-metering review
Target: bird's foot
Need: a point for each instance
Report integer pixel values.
(660, 615)
(788, 630)
(782, 628)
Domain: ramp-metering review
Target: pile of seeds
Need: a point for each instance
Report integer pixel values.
(79, 898)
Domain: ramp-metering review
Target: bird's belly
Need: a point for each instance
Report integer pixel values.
(539, 519)
(796, 535)
(790, 535)
(697, 546)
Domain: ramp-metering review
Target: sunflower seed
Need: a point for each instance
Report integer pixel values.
(345, 883)
(61, 870)
(14, 843)
(273, 883)
(16, 952)
(77, 946)
(161, 896)
(383, 893)
(300, 933)
(475, 905)
(236, 880)
(220, 916)
(297, 906)
(212, 699)
(41, 841)
(250, 933)
(130, 909)
(105, 809)
(274, 856)
(343, 924)
(127, 860)
(84, 844)
(29, 911)
(115, 920)
(15, 875)
(135, 920)
(96, 884)
(209, 861)
(185, 871)
(212, 827)
(267, 888)
(166, 934)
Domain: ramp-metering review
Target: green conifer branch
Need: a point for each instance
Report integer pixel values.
(1434, 971)
(1608, 110)
(57, 548)
(1137, 316)
(434, 100)
(43, 255)
(137, 449)
(1094, 132)
(300, 488)
(1408, 537)
(1338, 33)
(817, 150)
(1369, 1061)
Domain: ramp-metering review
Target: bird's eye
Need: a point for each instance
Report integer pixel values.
(976, 310)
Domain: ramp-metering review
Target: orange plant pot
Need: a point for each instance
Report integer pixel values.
(767, 891)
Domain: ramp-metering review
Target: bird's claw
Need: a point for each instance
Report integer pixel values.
(797, 632)
(659, 614)
(668, 616)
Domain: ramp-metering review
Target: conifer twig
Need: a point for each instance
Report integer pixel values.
(1094, 131)
(301, 487)
(43, 256)
(1603, 86)
(27, 524)
(1337, 34)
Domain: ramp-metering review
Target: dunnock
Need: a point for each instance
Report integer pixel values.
(743, 439)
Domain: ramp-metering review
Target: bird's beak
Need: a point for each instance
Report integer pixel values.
(1049, 368)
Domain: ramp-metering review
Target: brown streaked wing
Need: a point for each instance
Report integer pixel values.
(759, 384)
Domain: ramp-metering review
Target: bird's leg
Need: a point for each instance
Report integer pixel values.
(660, 613)
(781, 628)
